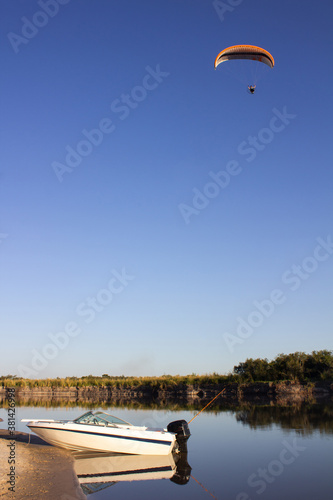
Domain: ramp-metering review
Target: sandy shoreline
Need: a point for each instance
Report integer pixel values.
(42, 471)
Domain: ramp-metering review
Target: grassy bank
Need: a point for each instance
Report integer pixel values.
(163, 382)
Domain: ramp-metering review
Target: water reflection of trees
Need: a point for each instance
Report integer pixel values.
(130, 404)
(303, 418)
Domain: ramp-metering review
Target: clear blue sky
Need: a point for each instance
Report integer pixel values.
(119, 251)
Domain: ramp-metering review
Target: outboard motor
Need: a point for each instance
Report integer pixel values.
(181, 429)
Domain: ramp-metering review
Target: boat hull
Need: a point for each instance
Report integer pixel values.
(135, 441)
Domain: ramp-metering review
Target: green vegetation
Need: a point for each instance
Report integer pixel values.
(298, 366)
(164, 382)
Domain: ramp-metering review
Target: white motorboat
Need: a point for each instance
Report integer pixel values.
(99, 431)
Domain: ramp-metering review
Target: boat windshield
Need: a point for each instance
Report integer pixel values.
(111, 419)
(99, 418)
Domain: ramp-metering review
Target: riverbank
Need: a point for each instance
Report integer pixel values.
(41, 471)
(274, 392)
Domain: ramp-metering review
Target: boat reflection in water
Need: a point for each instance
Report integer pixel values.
(97, 471)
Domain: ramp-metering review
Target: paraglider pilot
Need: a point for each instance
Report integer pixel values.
(252, 88)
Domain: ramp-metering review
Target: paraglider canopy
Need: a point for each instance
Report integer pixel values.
(248, 53)
(245, 52)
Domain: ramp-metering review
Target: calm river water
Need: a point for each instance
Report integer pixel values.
(254, 453)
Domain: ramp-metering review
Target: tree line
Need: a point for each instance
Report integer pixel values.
(298, 366)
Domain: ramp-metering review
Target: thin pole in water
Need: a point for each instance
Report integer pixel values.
(202, 486)
(195, 416)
